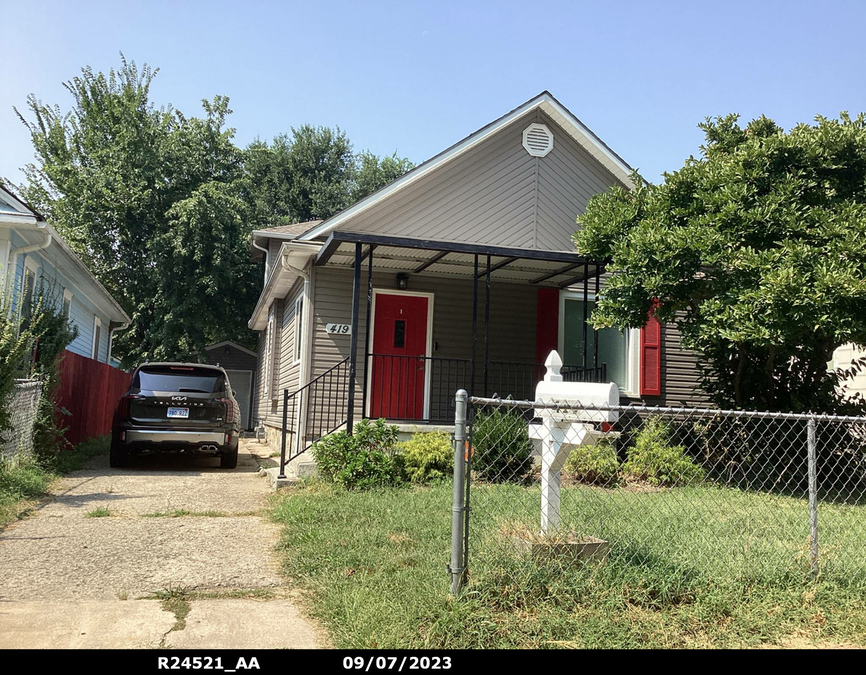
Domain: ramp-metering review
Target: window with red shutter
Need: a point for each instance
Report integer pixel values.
(650, 357)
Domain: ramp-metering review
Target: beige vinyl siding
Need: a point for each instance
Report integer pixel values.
(284, 371)
(289, 369)
(512, 320)
(496, 194)
(567, 178)
(261, 407)
(681, 375)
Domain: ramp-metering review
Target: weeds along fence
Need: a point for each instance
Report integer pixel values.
(17, 441)
(712, 495)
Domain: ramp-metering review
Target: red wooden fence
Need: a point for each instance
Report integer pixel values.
(89, 390)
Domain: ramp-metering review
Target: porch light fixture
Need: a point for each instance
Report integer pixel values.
(402, 281)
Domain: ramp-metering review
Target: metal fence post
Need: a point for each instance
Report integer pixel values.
(456, 568)
(813, 494)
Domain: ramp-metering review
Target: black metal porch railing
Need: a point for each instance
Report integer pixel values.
(421, 388)
(414, 388)
(405, 388)
(315, 410)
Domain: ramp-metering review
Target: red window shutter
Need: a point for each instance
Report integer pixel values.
(650, 357)
(546, 323)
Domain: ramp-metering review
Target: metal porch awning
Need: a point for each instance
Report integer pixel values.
(558, 269)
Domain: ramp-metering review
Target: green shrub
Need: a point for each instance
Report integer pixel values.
(655, 460)
(428, 456)
(366, 459)
(503, 451)
(595, 464)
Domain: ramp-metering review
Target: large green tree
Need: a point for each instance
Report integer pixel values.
(756, 249)
(312, 174)
(160, 205)
(152, 200)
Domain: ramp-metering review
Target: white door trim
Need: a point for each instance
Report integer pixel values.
(429, 346)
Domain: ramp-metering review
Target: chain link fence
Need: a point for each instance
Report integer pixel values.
(709, 494)
(24, 405)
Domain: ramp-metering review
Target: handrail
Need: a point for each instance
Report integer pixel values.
(330, 420)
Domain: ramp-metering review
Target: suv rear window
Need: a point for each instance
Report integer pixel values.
(179, 378)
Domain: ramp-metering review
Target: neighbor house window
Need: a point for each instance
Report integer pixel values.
(97, 330)
(299, 327)
(613, 346)
(269, 337)
(67, 304)
(29, 291)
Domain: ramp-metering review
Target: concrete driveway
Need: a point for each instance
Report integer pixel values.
(171, 552)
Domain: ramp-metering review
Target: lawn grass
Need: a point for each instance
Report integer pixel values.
(373, 565)
(28, 479)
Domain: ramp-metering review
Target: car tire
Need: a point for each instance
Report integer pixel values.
(229, 460)
(118, 457)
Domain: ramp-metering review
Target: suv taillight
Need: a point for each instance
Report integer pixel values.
(123, 406)
(230, 409)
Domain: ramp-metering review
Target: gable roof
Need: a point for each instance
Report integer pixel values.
(229, 343)
(286, 231)
(545, 102)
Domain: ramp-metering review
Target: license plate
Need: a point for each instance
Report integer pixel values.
(178, 412)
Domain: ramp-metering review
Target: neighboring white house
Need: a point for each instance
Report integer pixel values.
(33, 256)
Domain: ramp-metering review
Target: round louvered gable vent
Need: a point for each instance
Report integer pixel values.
(538, 140)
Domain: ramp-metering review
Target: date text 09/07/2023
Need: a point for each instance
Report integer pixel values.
(396, 663)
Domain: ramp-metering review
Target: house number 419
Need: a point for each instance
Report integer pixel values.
(339, 328)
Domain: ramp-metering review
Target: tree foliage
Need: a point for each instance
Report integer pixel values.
(161, 205)
(756, 250)
(151, 199)
(313, 174)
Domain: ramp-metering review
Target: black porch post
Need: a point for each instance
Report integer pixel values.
(585, 309)
(594, 329)
(486, 325)
(474, 325)
(368, 349)
(353, 343)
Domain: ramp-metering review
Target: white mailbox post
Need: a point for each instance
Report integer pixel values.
(563, 429)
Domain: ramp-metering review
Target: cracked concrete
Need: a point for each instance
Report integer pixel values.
(69, 580)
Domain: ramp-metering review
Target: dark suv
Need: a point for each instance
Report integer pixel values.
(177, 407)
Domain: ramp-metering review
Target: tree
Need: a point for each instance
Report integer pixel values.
(373, 172)
(153, 202)
(756, 250)
(160, 205)
(313, 174)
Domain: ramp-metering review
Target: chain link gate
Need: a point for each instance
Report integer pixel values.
(715, 494)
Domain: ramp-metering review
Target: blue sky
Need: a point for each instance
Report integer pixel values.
(417, 76)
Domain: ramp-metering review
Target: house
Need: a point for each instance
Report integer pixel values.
(460, 274)
(33, 256)
(240, 365)
(844, 358)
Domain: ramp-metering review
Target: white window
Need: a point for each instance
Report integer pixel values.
(67, 303)
(97, 330)
(299, 327)
(616, 349)
(269, 353)
(28, 290)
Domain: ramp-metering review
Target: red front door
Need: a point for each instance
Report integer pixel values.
(398, 366)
